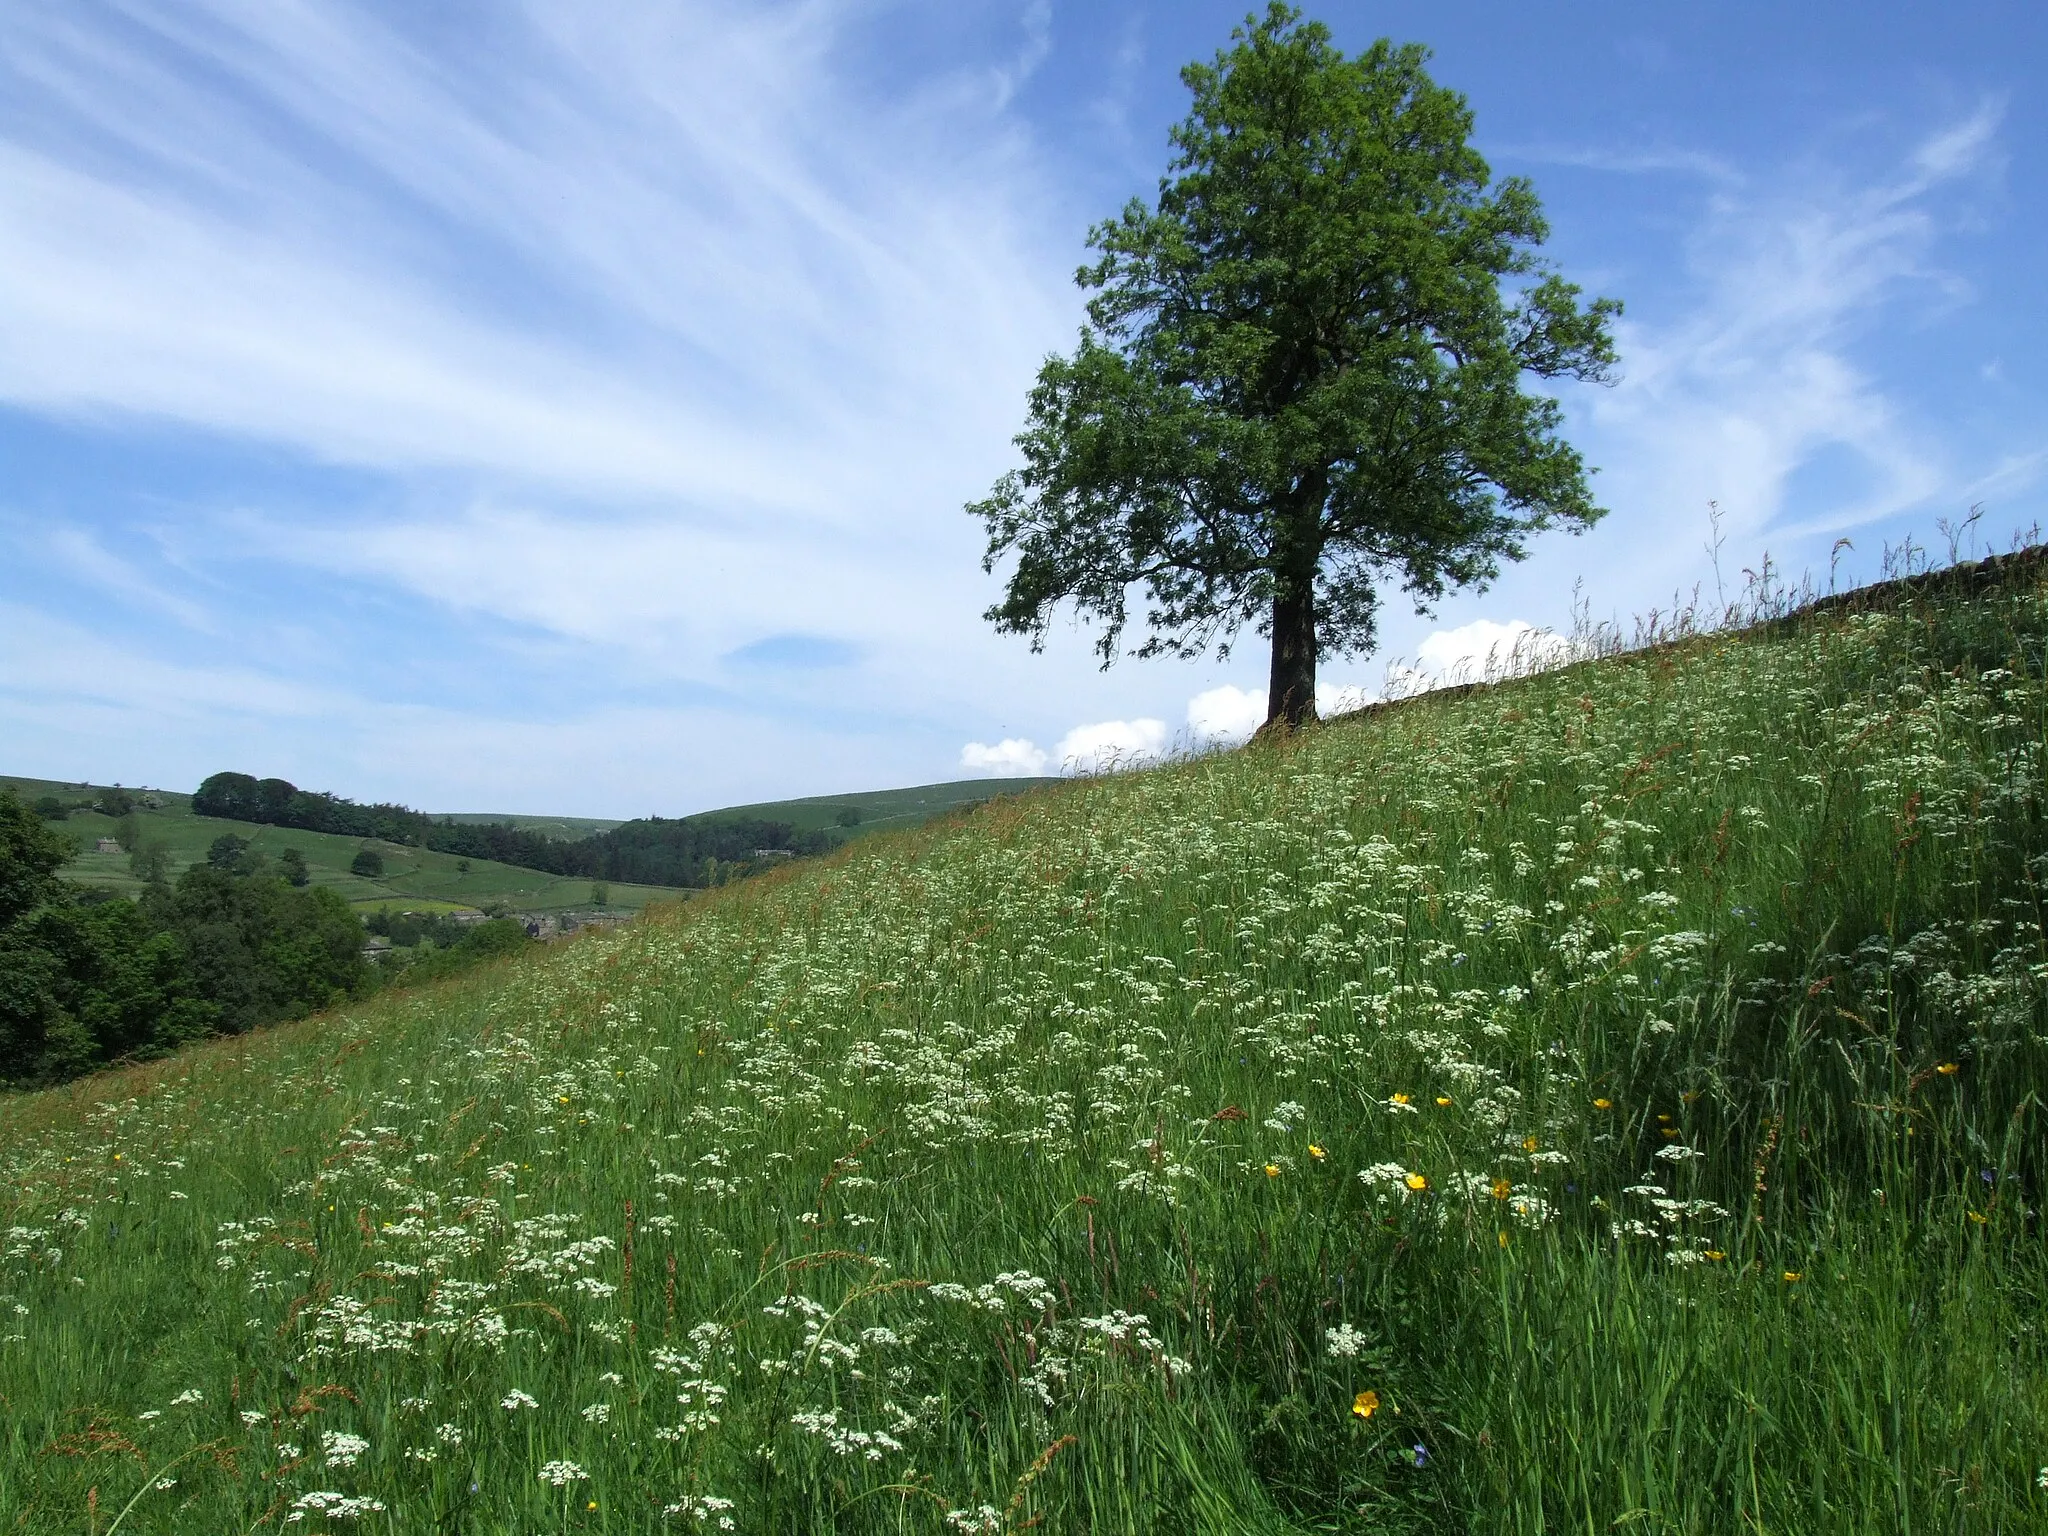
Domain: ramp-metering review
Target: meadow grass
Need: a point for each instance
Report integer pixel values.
(1604, 1102)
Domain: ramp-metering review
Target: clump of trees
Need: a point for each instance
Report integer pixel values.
(88, 978)
(429, 945)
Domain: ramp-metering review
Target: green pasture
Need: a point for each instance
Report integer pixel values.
(1606, 1102)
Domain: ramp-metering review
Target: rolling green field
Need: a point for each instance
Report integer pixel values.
(415, 879)
(1605, 1102)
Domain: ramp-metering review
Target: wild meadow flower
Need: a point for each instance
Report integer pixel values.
(1343, 1341)
(560, 1474)
(1794, 1276)
(514, 1400)
(1315, 1152)
(1272, 1170)
(335, 1506)
(1416, 1181)
(341, 1449)
(1603, 1103)
(1366, 1404)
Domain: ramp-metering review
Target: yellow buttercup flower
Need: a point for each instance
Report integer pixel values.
(1442, 1102)
(1366, 1404)
(1949, 1068)
(1603, 1103)
(1716, 1255)
(1528, 1143)
(1416, 1181)
(1315, 1152)
(1794, 1276)
(1272, 1170)
(1979, 1217)
(1502, 1189)
(1400, 1098)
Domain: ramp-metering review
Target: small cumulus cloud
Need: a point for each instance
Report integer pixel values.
(1484, 649)
(1342, 698)
(1225, 715)
(1109, 745)
(1014, 757)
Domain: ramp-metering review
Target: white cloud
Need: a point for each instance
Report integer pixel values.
(1014, 757)
(1226, 714)
(1342, 698)
(1484, 650)
(617, 253)
(1109, 745)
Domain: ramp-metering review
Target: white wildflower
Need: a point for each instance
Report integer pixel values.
(335, 1506)
(1343, 1341)
(341, 1449)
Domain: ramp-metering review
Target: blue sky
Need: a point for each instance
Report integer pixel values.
(569, 407)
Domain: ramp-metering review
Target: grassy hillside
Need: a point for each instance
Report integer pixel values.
(884, 810)
(1607, 1102)
(414, 878)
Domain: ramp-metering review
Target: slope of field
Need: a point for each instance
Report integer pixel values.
(414, 878)
(1605, 1102)
(884, 810)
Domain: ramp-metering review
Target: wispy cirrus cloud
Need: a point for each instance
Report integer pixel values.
(641, 255)
(1763, 375)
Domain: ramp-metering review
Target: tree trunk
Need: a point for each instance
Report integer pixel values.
(1297, 554)
(1291, 694)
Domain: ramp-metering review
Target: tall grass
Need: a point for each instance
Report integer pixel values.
(1606, 1101)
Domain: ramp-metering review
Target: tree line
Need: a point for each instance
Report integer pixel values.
(688, 851)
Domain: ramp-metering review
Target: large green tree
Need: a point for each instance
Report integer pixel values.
(1303, 372)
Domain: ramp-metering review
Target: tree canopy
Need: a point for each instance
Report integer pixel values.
(1302, 372)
